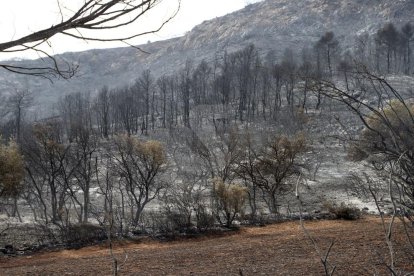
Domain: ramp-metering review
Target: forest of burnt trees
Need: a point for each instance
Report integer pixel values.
(97, 161)
(245, 85)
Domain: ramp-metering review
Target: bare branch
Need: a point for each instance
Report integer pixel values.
(93, 16)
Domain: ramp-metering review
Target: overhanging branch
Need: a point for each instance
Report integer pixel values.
(93, 15)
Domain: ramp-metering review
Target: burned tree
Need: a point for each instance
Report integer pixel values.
(138, 164)
(278, 162)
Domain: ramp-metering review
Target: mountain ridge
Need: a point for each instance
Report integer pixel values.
(270, 24)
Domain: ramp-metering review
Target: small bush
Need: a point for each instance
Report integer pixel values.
(78, 235)
(230, 201)
(178, 222)
(356, 154)
(344, 211)
(205, 220)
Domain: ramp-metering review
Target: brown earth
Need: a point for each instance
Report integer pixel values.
(278, 249)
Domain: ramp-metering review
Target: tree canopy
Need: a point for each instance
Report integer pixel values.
(11, 169)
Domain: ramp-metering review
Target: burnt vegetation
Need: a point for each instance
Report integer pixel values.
(219, 142)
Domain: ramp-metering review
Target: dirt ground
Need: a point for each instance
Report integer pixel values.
(278, 249)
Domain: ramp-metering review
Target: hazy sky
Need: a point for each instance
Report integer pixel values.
(21, 17)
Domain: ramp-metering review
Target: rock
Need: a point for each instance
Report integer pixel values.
(9, 250)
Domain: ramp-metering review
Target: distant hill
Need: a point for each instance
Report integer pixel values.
(271, 24)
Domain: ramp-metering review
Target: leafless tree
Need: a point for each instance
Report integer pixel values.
(173, 101)
(102, 110)
(407, 32)
(326, 48)
(76, 113)
(145, 88)
(224, 79)
(306, 70)
(186, 200)
(45, 157)
(162, 84)
(289, 76)
(128, 105)
(83, 159)
(245, 63)
(387, 39)
(200, 83)
(277, 77)
(185, 87)
(17, 104)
